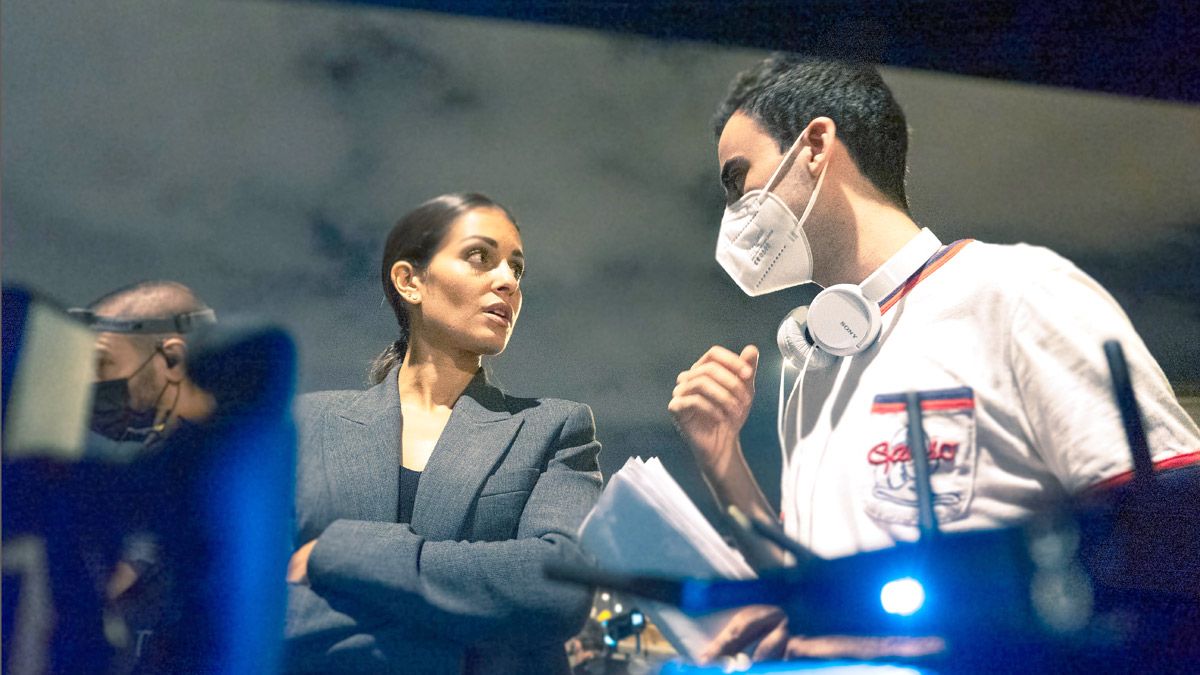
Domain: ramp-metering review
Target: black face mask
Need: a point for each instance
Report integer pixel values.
(111, 415)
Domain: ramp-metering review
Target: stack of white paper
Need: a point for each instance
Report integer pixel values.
(645, 523)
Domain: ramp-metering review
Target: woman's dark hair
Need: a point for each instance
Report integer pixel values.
(415, 238)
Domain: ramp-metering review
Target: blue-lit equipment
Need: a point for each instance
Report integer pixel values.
(621, 626)
(902, 597)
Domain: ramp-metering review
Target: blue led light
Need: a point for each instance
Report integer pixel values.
(636, 618)
(903, 597)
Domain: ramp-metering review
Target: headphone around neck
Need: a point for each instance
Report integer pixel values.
(844, 319)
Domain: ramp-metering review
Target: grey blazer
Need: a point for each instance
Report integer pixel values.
(461, 588)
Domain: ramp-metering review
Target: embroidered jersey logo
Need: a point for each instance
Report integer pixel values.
(896, 476)
(949, 424)
(896, 459)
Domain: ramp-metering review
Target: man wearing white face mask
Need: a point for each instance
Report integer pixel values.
(1002, 342)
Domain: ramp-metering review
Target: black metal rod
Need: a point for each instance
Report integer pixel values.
(926, 519)
(1131, 416)
(774, 533)
(758, 551)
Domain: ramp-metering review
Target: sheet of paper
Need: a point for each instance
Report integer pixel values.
(644, 523)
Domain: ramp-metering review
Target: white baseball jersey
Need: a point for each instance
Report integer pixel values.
(1005, 345)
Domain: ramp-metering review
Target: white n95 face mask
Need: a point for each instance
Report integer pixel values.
(762, 245)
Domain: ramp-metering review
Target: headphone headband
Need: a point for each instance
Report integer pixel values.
(844, 319)
(177, 323)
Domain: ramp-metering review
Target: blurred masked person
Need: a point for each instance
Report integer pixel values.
(142, 396)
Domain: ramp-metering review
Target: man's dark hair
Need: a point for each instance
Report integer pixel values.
(785, 92)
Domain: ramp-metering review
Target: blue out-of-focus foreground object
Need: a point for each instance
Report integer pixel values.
(216, 497)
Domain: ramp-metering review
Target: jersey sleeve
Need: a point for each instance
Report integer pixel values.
(1058, 329)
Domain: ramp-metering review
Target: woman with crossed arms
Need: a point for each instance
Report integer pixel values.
(428, 504)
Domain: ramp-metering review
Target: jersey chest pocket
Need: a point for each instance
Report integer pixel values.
(948, 418)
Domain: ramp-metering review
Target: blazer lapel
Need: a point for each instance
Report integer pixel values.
(363, 453)
(477, 435)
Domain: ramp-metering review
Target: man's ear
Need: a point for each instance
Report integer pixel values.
(175, 353)
(819, 138)
(407, 281)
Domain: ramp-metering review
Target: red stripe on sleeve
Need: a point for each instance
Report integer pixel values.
(1186, 459)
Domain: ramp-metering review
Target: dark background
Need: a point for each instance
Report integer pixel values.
(259, 151)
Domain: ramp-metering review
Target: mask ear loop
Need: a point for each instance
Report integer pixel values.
(775, 177)
(783, 164)
(812, 201)
(145, 363)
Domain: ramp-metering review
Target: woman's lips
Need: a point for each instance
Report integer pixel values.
(499, 312)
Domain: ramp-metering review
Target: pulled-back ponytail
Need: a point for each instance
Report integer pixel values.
(389, 358)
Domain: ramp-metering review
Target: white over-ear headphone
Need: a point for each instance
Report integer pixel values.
(844, 319)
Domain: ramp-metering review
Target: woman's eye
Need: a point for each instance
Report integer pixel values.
(477, 255)
(518, 271)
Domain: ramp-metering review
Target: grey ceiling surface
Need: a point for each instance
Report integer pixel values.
(259, 151)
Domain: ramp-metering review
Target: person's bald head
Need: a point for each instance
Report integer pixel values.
(148, 300)
(132, 355)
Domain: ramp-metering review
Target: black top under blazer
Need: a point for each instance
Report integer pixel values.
(460, 588)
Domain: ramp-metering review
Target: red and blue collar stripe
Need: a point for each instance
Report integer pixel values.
(932, 265)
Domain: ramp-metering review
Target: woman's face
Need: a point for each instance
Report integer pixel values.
(470, 293)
